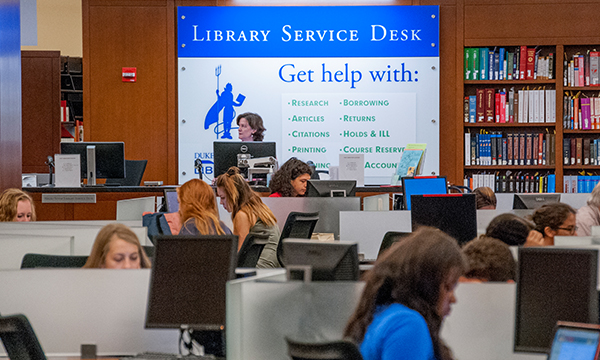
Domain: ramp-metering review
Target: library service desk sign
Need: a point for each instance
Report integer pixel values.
(326, 80)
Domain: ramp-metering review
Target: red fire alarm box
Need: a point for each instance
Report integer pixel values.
(129, 74)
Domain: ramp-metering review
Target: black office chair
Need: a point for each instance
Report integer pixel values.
(250, 251)
(389, 239)
(134, 172)
(19, 339)
(298, 225)
(331, 350)
(149, 250)
(52, 261)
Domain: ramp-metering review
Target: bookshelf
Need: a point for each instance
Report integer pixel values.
(71, 90)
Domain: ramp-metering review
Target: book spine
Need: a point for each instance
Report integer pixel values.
(581, 81)
(489, 105)
(502, 107)
(501, 72)
(530, 64)
(472, 108)
(579, 151)
(496, 66)
(511, 105)
(528, 150)
(585, 114)
(534, 150)
(522, 149)
(509, 66)
(475, 63)
(540, 149)
(509, 148)
(566, 151)
(491, 64)
(551, 66)
(467, 149)
(480, 103)
(586, 151)
(516, 106)
(483, 63)
(594, 68)
(466, 109)
(522, 62)
(573, 151)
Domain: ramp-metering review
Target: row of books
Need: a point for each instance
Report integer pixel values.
(581, 112)
(581, 151)
(520, 106)
(579, 183)
(520, 63)
(581, 70)
(509, 182)
(496, 148)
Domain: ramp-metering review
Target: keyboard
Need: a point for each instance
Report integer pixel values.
(167, 356)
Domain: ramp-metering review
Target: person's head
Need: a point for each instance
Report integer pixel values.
(419, 272)
(485, 198)
(197, 200)
(594, 199)
(489, 260)
(236, 195)
(556, 219)
(250, 127)
(16, 205)
(509, 228)
(291, 178)
(117, 247)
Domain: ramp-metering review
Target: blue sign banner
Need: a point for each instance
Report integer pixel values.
(313, 31)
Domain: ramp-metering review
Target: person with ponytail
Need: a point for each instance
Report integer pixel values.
(249, 215)
(407, 294)
(198, 210)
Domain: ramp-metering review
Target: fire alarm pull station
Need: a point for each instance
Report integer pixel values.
(129, 74)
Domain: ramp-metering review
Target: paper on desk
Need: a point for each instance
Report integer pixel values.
(68, 170)
(352, 167)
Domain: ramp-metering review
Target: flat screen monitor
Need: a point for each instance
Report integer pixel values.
(226, 153)
(19, 339)
(534, 201)
(171, 201)
(328, 261)
(454, 214)
(187, 285)
(330, 188)
(110, 158)
(575, 341)
(553, 284)
(421, 185)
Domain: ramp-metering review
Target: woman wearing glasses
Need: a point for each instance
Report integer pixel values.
(557, 219)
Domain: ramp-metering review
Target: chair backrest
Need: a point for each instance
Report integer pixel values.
(52, 261)
(389, 239)
(149, 250)
(134, 172)
(250, 251)
(298, 225)
(332, 350)
(19, 339)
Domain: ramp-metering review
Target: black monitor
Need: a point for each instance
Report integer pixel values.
(19, 339)
(553, 284)
(171, 201)
(455, 214)
(330, 188)
(534, 201)
(328, 261)
(109, 159)
(226, 153)
(421, 185)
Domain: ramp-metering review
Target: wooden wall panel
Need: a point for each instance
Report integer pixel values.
(40, 79)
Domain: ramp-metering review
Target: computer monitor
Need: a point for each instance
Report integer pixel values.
(534, 201)
(575, 341)
(108, 159)
(330, 188)
(553, 284)
(454, 214)
(226, 153)
(171, 201)
(187, 285)
(420, 185)
(19, 339)
(328, 261)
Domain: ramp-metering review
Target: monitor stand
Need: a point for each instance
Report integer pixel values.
(91, 165)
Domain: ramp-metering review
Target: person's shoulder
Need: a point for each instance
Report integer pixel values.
(275, 194)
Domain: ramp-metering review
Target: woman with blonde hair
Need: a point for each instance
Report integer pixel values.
(198, 210)
(117, 247)
(16, 205)
(249, 214)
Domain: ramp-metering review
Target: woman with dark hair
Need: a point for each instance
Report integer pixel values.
(291, 179)
(407, 294)
(514, 231)
(555, 219)
(250, 127)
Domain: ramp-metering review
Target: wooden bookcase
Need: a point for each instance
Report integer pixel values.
(71, 91)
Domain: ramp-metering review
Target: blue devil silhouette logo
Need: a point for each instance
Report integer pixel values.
(225, 104)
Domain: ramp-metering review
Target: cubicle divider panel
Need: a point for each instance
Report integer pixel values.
(14, 246)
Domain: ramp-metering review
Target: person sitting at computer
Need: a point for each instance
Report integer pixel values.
(556, 219)
(589, 215)
(489, 260)
(407, 295)
(514, 231)
(198, 210)
(249, 214)
(250, 127)
(485, 198)
(291, 179)
(117, 247)
(16, 205)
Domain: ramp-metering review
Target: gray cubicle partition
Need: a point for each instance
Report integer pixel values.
(14, 247)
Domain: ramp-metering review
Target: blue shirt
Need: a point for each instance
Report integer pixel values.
(189, 228)
(397, 332)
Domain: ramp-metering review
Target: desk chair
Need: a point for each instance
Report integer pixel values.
(134, 172)
(250, 251)
(149, 250)
(389, 239)
(52, 261)
(332, 350)
(298, 225)
(19, 339)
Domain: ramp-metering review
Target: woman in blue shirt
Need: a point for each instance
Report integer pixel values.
(407, 294)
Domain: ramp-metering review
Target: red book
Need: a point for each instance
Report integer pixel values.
(489, 105)
(530, 65)
(522, 62)
(480, 108)
(498, 104)
(540, 148)
(63, 110)
(502, 107)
